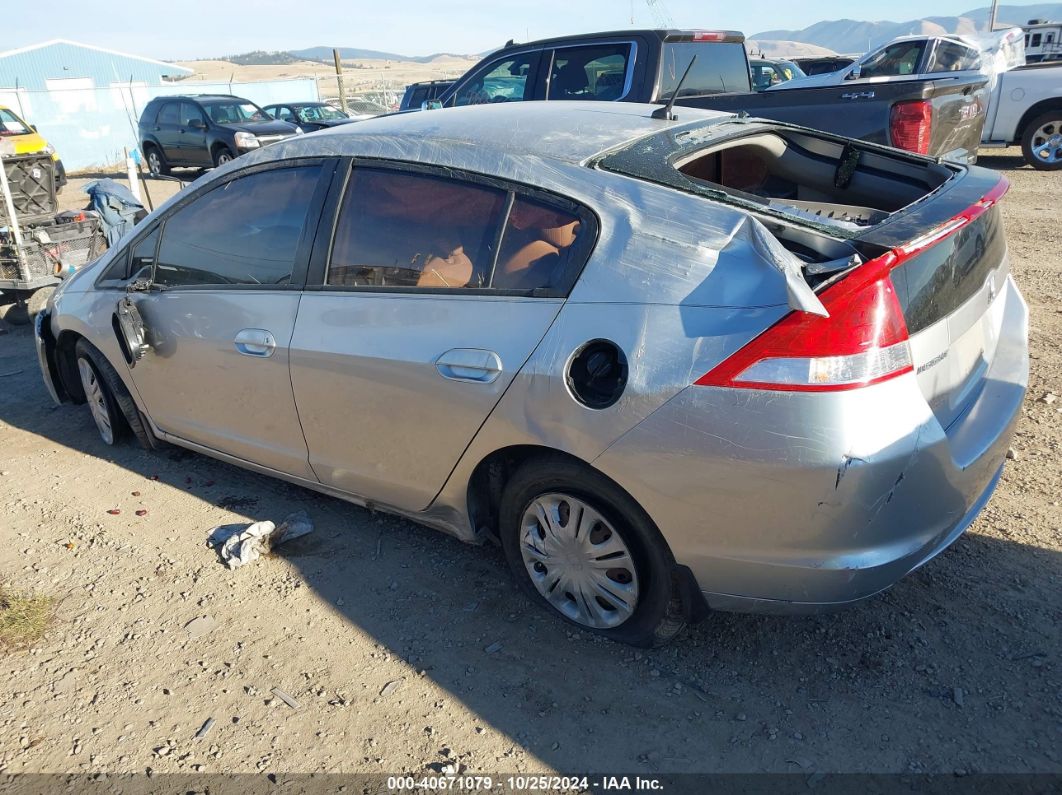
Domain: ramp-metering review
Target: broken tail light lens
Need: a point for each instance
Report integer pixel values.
(862, 342)
(911, 125)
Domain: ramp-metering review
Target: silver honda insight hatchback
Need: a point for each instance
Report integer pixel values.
(671, 365)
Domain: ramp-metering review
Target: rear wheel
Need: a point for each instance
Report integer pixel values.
(1042, 142)
(223, 156)
(157, 165)
(581, 547)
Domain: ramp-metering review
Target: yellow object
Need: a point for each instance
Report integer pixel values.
(26, 140)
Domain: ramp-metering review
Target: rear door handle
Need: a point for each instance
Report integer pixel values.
(255, 342)
(469, 364)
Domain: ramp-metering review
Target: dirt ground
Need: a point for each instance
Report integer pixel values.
(404, 648)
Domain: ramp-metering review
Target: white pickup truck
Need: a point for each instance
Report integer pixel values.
(1026, 108)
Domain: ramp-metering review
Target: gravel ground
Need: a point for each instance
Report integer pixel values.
(404, 648)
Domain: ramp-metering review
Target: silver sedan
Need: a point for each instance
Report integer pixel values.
(671, 365)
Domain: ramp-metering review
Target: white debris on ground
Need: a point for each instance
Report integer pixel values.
(239, 545)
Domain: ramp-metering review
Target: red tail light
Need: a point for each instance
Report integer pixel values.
(911, 125)
(863, 341)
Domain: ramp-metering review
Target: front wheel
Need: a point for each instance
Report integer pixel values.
(581, 547)
(98, 395)
(1041, 143)
(223, 156)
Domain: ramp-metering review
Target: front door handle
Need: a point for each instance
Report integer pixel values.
(469, 364)
(255, 342)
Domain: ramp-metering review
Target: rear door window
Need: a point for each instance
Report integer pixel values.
(245, 232)
(168, 114)
(508, 80)
(597, 72)
(720, 68)
(399, 229)
(952, 57)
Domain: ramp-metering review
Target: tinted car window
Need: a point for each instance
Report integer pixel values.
(235, 112)
(189, 112)
(168, 114)
(415, 230)
(895, 60)
(539, 247)
(589, 73)
(246, 231)
(720, 67)
(508, 80)
(951, 57)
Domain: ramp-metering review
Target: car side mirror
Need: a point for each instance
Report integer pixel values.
(855, 72)
(197, 124)
(33, 127)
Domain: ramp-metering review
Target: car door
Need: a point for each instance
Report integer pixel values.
(225, 289)
(168, 132)
(424, 314)
(193, 135)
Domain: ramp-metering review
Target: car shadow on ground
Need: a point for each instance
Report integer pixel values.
(735, 693)
(1003, 162)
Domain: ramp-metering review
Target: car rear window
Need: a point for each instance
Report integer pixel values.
(721, 68)
(399, 229)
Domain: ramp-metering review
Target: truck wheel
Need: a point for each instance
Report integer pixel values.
(1041, 144)
(28, 305)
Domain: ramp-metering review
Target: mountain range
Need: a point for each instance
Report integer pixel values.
(836, 36)
(855, 36)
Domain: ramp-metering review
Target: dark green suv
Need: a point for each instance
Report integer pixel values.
(204, 130)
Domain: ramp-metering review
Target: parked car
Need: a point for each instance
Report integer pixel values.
(671, 365)
(419, 93)
(204, 130)
(904, 58)
(1026, 109)
(310, 116)
(823, 63)
(928, 115)
(767, 73)
(26, 140)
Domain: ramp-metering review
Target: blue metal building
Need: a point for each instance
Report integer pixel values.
(60, 64)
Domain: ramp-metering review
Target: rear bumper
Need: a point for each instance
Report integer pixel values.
(797, 502)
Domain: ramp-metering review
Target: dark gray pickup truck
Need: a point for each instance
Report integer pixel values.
(939, 116)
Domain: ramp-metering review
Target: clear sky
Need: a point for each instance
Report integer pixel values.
(178, 29)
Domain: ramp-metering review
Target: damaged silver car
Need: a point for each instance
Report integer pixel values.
(670, 364)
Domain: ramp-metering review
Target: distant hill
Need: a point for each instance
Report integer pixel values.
(776, 48)
(262, 57)
(324, 54)
(855, 36)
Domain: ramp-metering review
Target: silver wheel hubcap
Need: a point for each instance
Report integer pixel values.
(97, 403)
(578, 561)
(154, 164)
(1047, 142)
(224, 158)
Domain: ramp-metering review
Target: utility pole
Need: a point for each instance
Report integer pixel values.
(339, 80)
(992, 16)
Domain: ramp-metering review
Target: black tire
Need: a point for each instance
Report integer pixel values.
(658, 615)
(1053, 121)
(223, 155)
(28, 305)
(125, 416)
(156, 161)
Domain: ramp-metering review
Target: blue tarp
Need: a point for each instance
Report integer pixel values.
(116, 205)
